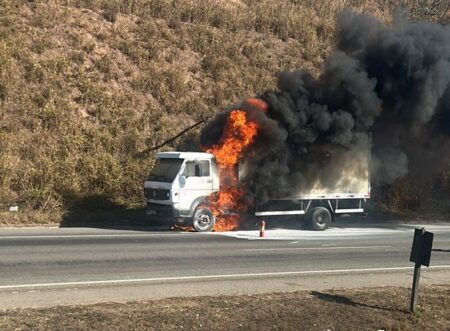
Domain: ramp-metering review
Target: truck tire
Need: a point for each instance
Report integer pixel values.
(319, 218)
(203, 220)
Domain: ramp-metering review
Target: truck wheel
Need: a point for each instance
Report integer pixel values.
(203, 220)
(319, 218)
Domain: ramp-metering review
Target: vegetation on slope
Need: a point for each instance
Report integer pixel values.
(86, 86)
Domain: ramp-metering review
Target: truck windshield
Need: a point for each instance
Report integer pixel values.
(165, 170)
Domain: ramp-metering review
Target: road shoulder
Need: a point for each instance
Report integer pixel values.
(366, 309)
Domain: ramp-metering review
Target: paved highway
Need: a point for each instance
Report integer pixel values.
(49, 266)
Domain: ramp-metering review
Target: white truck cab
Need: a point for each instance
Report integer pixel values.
(177, 185)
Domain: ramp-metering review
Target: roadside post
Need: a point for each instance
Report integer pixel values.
(420, 255)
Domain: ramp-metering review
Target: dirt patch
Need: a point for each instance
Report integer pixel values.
(368, 309)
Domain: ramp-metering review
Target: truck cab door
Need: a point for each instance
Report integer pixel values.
(196, 181)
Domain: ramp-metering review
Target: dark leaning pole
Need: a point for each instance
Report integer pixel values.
(420, 255)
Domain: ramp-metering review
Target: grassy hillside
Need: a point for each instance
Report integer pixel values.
(87, 85)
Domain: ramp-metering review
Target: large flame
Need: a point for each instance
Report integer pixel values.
(239, 133)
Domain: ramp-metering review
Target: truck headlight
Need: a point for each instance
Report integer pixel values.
(168, 195)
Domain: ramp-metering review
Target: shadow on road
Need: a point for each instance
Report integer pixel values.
(97, 211)
(350, 302)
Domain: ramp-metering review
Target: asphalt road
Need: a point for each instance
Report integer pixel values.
(50, 266)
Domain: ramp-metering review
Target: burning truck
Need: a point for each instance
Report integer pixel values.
(303, 149)
(211, 190)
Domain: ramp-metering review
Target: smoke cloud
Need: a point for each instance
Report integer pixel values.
(390, 82)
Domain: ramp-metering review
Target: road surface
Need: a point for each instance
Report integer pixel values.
(51, 266)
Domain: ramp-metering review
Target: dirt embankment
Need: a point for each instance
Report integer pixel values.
(86, 86)
(368, 309)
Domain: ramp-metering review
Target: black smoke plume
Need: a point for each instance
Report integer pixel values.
(392, 82)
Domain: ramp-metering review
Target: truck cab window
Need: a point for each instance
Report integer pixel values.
(196, 169)
(165, 170)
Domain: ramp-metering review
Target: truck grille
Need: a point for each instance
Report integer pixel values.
(157, 194)
(161, 211)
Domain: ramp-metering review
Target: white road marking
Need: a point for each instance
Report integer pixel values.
(94, 235)
(312, 248)
(183, 278)
(332, 232)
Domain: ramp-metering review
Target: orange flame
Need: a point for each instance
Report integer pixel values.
(180, 227)
(238, 135)
(257, 103)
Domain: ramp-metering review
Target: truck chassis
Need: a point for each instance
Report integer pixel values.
(319, 211)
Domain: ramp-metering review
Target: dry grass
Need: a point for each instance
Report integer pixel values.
(86, 85)
(30, 218)
(366, 309)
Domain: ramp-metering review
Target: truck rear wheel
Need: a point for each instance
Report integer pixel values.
(203, 220)
(319, 218)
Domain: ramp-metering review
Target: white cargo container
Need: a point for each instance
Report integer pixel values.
(339, 187)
